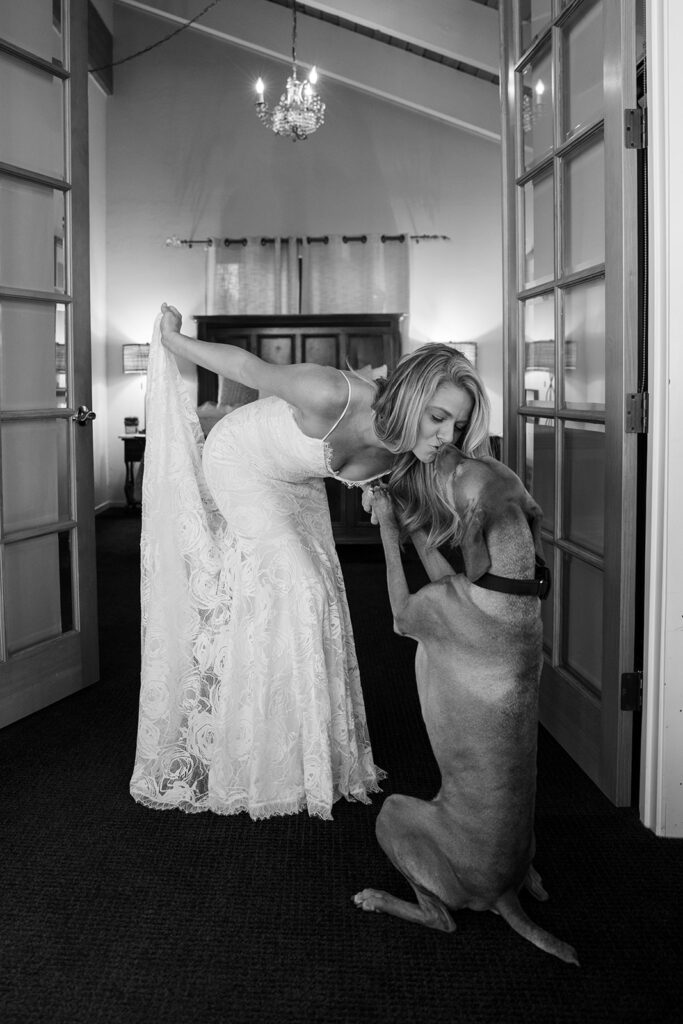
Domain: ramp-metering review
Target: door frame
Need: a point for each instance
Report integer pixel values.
(661, 794)
(79, 199)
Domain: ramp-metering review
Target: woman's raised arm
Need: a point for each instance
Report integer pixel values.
(316, 390)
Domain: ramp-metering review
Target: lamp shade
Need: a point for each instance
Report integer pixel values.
(135, 358)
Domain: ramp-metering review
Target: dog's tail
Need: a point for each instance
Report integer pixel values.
(510, 909)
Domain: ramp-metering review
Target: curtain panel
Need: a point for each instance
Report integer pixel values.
(360, 274)
(253, 275)
(319, 275)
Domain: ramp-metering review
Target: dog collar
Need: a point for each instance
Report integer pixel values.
(537, 587)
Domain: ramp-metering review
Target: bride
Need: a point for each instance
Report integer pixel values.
(250, 691)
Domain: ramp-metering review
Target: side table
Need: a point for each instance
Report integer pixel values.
(133, 452)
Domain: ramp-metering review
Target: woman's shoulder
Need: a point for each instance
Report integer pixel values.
(326, 386)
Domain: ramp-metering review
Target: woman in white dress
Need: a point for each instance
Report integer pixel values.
(250, 692)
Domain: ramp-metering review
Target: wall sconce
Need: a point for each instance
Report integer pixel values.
(466, 348)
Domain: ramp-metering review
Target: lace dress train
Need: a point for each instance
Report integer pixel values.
(250, 693)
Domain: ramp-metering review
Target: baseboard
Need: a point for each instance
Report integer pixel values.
(105, 505)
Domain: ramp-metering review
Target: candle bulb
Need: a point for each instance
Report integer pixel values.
(313, 77)
(260, 89)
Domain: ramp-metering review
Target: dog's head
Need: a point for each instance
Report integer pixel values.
(483, 491)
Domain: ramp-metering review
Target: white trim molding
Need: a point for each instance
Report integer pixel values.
(661, 790)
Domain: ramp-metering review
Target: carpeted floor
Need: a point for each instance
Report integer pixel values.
(111, 913)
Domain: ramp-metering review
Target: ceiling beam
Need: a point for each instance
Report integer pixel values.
(350, 58)
(458, 29)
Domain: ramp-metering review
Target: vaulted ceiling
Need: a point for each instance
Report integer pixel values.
(437, 57)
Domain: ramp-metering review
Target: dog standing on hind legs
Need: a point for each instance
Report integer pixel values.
(478, 666)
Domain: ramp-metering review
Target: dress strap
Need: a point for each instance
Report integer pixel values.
(348, 399)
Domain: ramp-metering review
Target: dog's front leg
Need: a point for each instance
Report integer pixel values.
(397, 585)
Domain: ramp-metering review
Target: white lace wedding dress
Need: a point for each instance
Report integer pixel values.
(250, 693)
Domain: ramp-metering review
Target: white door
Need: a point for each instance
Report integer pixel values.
(571, 347)
(48, 601)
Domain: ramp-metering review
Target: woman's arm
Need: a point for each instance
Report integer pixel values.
(318, 391)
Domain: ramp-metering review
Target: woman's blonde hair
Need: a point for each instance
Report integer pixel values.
(398, 408)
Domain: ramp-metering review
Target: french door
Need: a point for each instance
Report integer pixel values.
(48, 617)
(571, 352)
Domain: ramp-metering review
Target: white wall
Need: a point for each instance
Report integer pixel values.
(187, 156)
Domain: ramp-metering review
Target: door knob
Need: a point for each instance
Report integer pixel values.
(83, 415)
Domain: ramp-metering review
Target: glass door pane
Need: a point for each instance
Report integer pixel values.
(538, 334)
(583, 346)
(539, 475)
(582, 60)
(35, 472)
(539, 236)
(40, 148)
(534, 18)
(35, 27)
(38, 575)
(537, 108)
(32, 219)
(583, 485)
(33, 375)
(584, 207)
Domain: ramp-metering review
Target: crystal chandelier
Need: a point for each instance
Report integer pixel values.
(300, 110)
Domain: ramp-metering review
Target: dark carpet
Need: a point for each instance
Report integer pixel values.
(111, 913)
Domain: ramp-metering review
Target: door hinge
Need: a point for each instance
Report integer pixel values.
(631, 691)
(636, 413)
(635, 128)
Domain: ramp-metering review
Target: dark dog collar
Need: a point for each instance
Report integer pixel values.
(538, 587)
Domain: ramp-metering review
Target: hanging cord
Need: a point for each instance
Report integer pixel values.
(294, 37)
(152, 46)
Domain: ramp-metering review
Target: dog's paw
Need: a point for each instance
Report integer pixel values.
(533, 883)
(370, 899)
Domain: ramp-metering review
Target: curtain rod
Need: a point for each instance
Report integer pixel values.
(176, 242)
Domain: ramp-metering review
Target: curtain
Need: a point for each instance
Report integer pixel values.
(327, 274)
(253, 276)
(355, 274)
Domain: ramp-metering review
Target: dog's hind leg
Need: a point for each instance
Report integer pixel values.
(429, 910)
(408, 833)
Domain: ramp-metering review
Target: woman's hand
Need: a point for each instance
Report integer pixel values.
(366, 502)
(171, 321)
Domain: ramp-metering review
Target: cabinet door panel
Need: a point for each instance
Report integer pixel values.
(323, 349)
(276, 348)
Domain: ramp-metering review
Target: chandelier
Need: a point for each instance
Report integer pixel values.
(300, 110)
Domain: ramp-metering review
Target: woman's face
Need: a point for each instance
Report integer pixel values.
(443, 420)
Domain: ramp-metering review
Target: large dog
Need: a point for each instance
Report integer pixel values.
(478, 666)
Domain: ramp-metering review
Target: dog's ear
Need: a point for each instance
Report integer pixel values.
(473, 544)
(535, 515)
